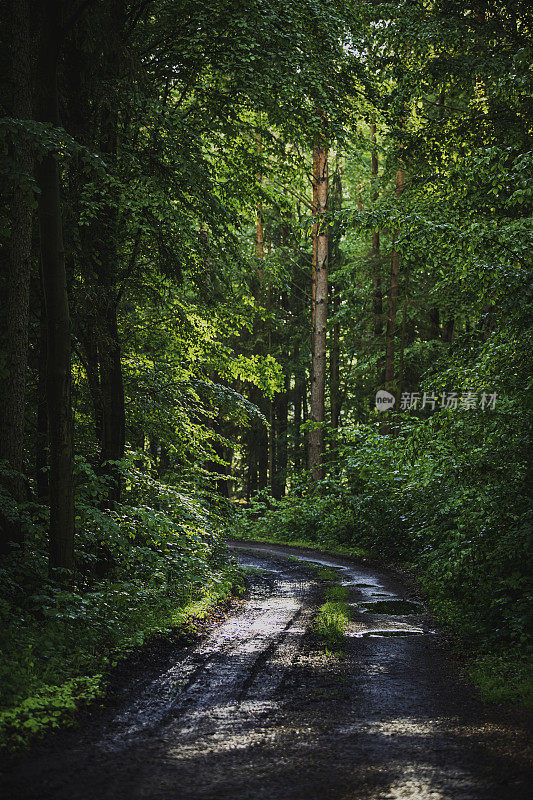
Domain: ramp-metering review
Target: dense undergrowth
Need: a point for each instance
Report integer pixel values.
(150, 566)
(446, 497)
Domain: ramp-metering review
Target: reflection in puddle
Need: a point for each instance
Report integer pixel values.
(401, 607)
(386, 633)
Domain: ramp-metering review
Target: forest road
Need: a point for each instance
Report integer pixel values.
(257, 709)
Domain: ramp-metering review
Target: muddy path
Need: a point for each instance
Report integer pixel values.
(256, 709)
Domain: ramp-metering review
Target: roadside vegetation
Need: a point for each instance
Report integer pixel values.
(445, 499)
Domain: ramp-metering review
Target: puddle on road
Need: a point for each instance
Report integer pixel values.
(386, 634)
(380, 609)
(395, 607)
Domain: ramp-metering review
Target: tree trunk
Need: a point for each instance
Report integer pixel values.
(259, 229)
(262, 458)
(89, 340)
(318, 365)
(393, 295)
(334, 261)
(13, 406)
(335, 368)
(434, 323)
(58, 377)
(402, 341)
(449, 327)
(377, 299)
(272, 442)
(282, 412)
(41, 434)
(251, 470)
(298, 393)
(113, 405)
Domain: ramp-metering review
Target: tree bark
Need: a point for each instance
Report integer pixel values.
(402, 341)
(334, 261)
(335, 369)
(58, 375)
(282, 413)
(262, 458)
(13, 406)
(393, 294)
(113, 405)
(376, 254)
(434, 323)
(318, 367)
(449, 327)
(272, 443)
(41, 435)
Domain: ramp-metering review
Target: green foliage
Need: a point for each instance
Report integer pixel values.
(331, 622)
(336, 592)
(48, 708)
(144, 568)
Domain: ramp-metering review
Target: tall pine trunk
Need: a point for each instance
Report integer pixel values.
(58, 376)
(318, 366)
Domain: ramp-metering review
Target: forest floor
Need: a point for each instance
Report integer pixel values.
(260, 708)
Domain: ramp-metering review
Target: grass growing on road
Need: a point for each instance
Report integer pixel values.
(337, 593)
(334, 614)
(331, 622)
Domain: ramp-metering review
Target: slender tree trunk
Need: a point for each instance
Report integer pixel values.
(449, 327)
(318, 368)
(89, 340)
(41, 435)
(402, 341)
(106, 268)
(297, 426)
(113, 406)
(13, 406)
(272, 434)
(334, 260)
(335, 368)
(377, 299)
(393, 294)
(281, 454)
(58, 377)
(262, 458)
(259, 228)
(252, 460)
(391, 318)
(434, 323)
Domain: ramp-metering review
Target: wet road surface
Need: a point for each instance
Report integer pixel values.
(258, 710)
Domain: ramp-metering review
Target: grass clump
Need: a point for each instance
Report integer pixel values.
(326, 573)
(336, 593)
(331, 622)
(501, 678)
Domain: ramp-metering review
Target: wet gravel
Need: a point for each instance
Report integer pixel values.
(257, 709)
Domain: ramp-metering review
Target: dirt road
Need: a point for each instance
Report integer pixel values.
(258, 710)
